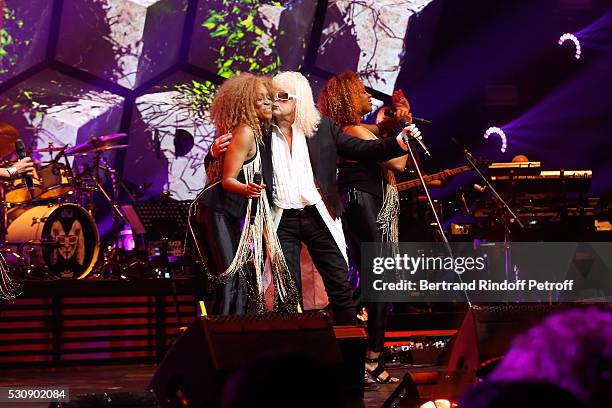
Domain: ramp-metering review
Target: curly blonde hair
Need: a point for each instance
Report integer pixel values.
(234, 104)
(307, 117)
(339, 99)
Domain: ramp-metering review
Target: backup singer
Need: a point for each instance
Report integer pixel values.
(242, 106)
(368, 193)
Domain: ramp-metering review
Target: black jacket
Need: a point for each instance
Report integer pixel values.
(324, 147)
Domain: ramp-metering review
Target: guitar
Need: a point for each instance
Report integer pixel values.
(406, 185)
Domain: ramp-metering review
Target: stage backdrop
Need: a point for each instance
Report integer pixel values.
(80, 68)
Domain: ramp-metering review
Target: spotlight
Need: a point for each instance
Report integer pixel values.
(571, 37)
(502, 135)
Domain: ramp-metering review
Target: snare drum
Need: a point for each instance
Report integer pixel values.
(55, 180)
(17, 192)
(63, 237)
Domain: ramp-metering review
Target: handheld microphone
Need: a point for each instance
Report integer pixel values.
(390, 113)
(21, 153)
(257, 179)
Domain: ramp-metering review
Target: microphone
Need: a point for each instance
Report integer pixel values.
(257, 179)
(390, 113)
(21, 153)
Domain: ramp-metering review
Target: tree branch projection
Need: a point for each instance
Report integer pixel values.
(55, 114)
(379, 27)
(8, 23)
(248, 30)
(124, 24)
(162, 114)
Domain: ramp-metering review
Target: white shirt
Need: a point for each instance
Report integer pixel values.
(293, 182)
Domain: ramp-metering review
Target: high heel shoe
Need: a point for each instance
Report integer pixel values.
(375, 374)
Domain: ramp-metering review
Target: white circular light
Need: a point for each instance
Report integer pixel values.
(571, 37)
(495, 130)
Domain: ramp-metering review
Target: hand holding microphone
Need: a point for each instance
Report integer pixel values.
(411, 131)
(255, 187)
(257, 178)
(24, 166)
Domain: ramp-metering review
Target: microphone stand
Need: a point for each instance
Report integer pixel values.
(440, 229)
(503, 204)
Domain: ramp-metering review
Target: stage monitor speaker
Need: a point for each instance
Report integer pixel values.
(487, 331)
(198, 364)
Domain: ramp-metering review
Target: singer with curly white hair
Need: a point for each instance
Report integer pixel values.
(299, 171)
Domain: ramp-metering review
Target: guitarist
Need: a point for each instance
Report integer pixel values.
(368, 193)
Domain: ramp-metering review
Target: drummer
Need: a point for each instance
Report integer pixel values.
(18, 169)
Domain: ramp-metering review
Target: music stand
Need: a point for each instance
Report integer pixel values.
(160, 220)
(156, 219)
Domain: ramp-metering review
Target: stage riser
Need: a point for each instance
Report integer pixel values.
(56, 330)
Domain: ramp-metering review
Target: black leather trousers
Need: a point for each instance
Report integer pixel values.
(359, 224)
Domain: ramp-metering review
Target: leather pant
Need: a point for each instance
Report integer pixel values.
(221, 235)
(359, 224)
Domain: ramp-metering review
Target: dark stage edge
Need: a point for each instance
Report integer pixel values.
(132, 378)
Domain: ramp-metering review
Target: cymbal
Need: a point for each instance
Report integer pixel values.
(94, 143)
(102, 149)
(48, 149)
(108, 139)
(8, 135)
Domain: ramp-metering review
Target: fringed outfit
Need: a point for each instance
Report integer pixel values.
(8, 287)
(236, 256)
(251, 250)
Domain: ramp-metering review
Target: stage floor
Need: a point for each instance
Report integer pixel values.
(127, 378)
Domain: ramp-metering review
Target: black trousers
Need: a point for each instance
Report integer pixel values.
(359, 224)
(306, 226)
(221, 235)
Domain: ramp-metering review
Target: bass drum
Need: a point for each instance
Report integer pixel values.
(64, 238)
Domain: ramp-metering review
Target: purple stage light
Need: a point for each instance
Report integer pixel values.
(495, 130)
(571, 37)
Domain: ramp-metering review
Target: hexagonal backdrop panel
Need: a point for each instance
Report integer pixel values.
(241, 36)
(24, 33)
(367, 37)
(169, 137)
(124, 41)
(53, 108)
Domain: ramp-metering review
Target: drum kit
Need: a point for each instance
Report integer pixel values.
(52, 233)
